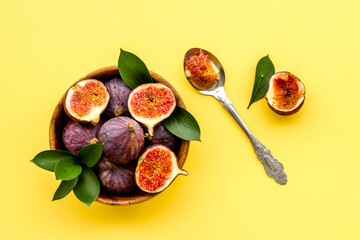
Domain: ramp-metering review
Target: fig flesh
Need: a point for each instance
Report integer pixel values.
(151, 103)
(119, 95)
(200, 71)
(118, 180)
(164, 137)
(123, 140)
(86, 100)
(286, 93)
(78, 135)
(157, 167)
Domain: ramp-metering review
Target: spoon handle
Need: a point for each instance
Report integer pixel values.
(273, 167)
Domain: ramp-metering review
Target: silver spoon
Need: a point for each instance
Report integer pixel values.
(273, 167)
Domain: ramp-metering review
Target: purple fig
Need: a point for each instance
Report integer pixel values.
(119, 94)
(164, 137)
(78, 135)
(123, 140)
(119, 180)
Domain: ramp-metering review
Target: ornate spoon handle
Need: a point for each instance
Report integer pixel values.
(273, 167)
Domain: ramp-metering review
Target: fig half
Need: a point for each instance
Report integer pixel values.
(286, 93)
(151, 103)
(86, 100)
(157, 167)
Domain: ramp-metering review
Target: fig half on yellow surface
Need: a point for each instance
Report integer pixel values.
(286, 93)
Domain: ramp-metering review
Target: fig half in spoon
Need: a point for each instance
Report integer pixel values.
(286, 93)
(201, 71)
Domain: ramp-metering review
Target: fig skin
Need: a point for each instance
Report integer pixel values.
(163, 137)
(123, 140)
(78, 135)
(300, 92)
(118, 180)
(119, 95)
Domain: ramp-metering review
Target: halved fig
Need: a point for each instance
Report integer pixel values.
(86, 100)
(151, 103)
(157, 167)
(286, 93)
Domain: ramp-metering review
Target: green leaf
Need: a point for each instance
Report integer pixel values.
(264, 70)
(67, 168)
(87, 188)
(48, 159)
(133, 70)
(65, 188)
(183, 125)
(90, 154)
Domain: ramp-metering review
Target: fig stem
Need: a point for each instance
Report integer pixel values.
(182, 172)
(150, 130)
(117, 112)
(95, 120)
(147, 136)
(131, 127)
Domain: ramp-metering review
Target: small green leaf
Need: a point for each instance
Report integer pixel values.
(183, 125)
(90, 154)
(65, 188)
(264, 70)
(48, 159)
(67, 168)
(87, 188)
(133, 70)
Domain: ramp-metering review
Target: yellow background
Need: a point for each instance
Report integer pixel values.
(47, 45)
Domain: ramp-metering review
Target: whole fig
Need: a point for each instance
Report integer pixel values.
(119, 180)
(119, 94)
(123, 140)
(164, 137)
(78, 135)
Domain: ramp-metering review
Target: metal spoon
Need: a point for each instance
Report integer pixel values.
(273, 167)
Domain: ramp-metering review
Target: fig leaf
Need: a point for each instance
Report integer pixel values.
(87, 188)
(183, 125)
(65, 188)
(67, 168)
(264, 70)
(133, 70)
(49, 158)
(90, 154)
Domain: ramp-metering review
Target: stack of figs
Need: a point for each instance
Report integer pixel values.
(99, 113)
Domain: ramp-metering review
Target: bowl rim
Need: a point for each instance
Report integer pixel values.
(55, 144)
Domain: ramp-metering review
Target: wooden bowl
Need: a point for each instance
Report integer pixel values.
(59, 119)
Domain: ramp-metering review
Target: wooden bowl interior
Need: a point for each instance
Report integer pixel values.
(59, 119)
